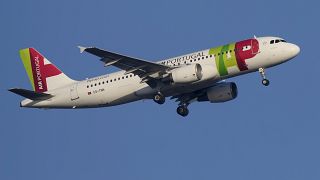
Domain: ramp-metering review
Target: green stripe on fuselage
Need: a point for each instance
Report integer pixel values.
(224, 58)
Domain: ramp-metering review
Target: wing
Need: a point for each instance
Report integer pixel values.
(144, 69)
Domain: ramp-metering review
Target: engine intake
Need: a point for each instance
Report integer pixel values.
(221, 92)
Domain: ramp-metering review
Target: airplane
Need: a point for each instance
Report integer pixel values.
(198, 76)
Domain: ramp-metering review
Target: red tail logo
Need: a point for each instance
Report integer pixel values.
(41, 71)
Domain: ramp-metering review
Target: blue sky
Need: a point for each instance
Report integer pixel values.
(266, 133)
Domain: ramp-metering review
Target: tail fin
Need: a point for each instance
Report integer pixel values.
(43, 75)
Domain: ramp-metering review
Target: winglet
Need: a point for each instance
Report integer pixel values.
(82, 48)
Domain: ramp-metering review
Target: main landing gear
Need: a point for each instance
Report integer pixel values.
(264, 81)
(159, 98)
(183, 110)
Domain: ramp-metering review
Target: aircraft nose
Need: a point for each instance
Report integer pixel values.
(294, 50)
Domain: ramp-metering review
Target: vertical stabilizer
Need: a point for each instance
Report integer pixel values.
(43, 75)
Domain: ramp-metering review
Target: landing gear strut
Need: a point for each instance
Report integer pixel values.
(159, 98)
(182, 110)
(264, 81)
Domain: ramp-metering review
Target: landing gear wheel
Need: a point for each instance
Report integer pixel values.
(182, 111)
(159, 98)
(265, 82)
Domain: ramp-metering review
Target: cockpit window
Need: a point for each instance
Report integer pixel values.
(277, 41)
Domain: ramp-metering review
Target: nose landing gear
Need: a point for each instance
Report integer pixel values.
(264, 81)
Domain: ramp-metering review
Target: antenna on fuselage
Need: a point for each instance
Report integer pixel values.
(255, 36)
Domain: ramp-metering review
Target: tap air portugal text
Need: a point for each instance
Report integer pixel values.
(193, 77)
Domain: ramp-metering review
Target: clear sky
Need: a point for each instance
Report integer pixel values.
(266, 133)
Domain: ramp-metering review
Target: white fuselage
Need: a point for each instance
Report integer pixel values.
(119, 88)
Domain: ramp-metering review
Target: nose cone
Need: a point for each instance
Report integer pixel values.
(294, 50)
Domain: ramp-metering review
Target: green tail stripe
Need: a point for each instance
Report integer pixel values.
(25, 57)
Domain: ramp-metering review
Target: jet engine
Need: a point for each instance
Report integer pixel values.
(186, 74)
(221, 92)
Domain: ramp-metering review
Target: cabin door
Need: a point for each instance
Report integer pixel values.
(74, 92)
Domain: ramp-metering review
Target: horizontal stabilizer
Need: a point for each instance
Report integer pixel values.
(31, 94)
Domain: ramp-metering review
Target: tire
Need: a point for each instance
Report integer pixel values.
(159, 98)
(265, 82)
(182, 111)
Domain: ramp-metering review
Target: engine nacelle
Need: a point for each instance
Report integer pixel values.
(186, 74)
(222, 92)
